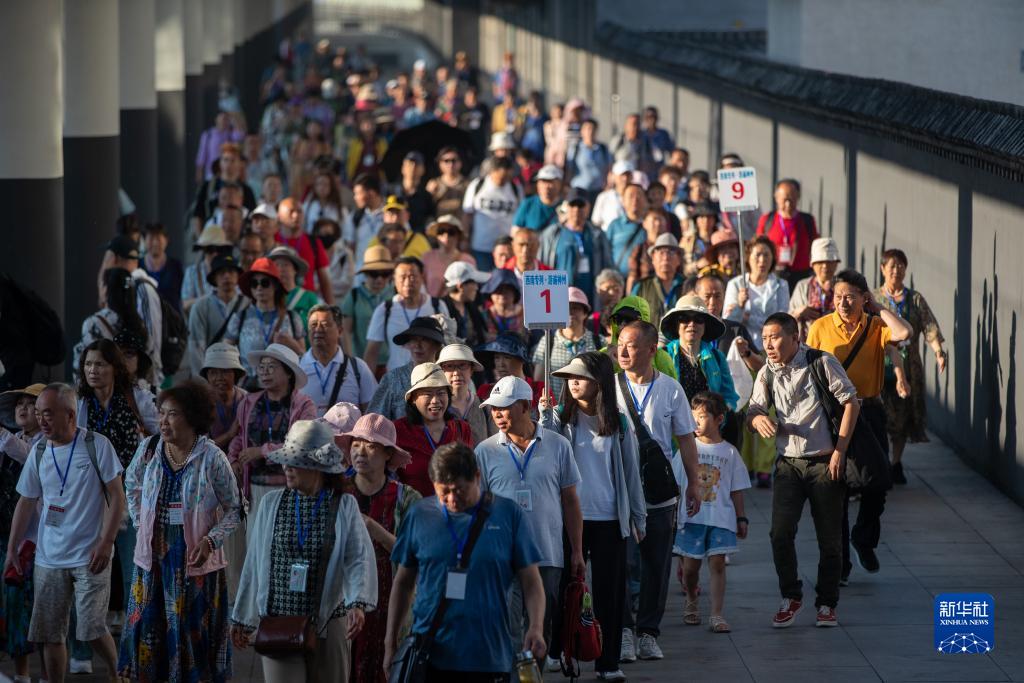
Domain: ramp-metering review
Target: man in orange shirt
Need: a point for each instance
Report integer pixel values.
(857, 315)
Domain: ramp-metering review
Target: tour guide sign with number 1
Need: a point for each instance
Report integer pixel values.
(737, 192)
(546, 307)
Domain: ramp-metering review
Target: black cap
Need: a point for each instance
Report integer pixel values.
(220, 263)
(577, 195)
(414, 156)
(124, 246)
(425, 327)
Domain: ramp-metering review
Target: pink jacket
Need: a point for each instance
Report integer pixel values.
(302, 408)
(209, 497)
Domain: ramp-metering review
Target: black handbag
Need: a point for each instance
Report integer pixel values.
(656, 475)
(413, 655)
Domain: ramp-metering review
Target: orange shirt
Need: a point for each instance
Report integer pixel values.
(828, 333)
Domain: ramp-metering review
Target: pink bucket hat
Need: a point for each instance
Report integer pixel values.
(341, 417)
(577, 296)
(376, 428)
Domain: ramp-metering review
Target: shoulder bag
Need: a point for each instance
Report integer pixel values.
(656, 476)
(413, 656)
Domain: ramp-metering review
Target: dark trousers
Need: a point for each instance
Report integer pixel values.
(806, 479)
(867, 529)
(605, 549)
(655, 568)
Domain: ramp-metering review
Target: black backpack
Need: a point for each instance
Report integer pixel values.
(173, 334)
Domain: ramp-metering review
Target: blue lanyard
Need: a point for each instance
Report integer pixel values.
(640, 405)
(300, 532)
(324, 380)
(460, 543)
(405, 312)
(64, 476)
(898, 307)
(266, 330)
(270, 418)
(579, 241)
(426, 433)
(526, 458)
(222, 414)
(100, 426)
(503, 323)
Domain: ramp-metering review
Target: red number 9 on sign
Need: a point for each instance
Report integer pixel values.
(737, 190)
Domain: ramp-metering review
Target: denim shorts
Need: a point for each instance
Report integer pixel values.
(700, 540)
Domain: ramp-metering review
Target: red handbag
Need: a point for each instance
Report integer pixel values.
(26, 559)
(581, 631)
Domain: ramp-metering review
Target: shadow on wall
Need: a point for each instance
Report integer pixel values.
(995, 459)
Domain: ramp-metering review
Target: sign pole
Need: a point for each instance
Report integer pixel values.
(547, 369)
(743, 260)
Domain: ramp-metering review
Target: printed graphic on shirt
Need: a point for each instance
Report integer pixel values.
(709, 477)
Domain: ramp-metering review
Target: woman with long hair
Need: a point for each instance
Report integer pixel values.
(611, 496)
(751, 298)
(324, 201)
(183, 499)
(120, 312)
(428, 423)
(267, 321)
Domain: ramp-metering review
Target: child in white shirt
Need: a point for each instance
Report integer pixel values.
(713, 531)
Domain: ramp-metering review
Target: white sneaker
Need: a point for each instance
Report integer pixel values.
(552, 665)
(616, 675)
(648, 648)
(80, 666)
(628, 653)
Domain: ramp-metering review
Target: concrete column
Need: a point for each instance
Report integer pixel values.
(170, 132)
(31, 157)
(139, 106)
(213, 37)
(194, 125)
(91, 146)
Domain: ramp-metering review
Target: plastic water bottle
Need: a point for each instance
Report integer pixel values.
(527, 669)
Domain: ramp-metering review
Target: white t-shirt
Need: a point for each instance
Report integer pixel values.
(492, 207)
(607, 207)
(81, 507)
(665, 410)
(321, 381)
(720, 471)
(593, 455)
(398, 322)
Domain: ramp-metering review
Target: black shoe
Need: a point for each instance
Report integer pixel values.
(867, 559)
(897, 474)
(844, 580)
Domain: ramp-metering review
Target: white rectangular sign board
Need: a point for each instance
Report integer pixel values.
(737, 189)
(546, 299)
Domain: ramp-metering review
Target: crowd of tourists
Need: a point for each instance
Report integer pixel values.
(328, 434)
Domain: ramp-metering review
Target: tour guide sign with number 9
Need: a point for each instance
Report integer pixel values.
(737, 192)
(546, 307)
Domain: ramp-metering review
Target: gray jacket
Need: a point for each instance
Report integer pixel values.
(629, 494)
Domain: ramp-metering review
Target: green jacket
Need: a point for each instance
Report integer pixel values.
(662, 361)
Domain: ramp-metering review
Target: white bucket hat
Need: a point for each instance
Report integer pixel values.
(222, 356)
(309, 445)
(426, 376)
(459, 353)
(283, 354)
(824, 249)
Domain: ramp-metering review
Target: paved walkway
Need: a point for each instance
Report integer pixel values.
(949, 530)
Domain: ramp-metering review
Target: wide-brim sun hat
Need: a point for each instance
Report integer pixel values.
(459, 353)
(212, 236)
(286, 252)
(309, 445)
(380, 430)
(425, 327)
(666, 240)
(222, 356)
(261, 266)
(721, 239)
(282, 354)
(222, 262)
(449, 220)
(824, 249)
(377, 258)
(426, 376)
(508, 344)
(575, 368)
(692, 304)
(578, 296)
(503, 278)
(9, 399)
(341, 417)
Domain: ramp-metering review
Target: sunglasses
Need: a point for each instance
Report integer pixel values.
(686, 318)
(265, 282)
(449, 231)
(625, 318)
(378, 274)
(449, 160)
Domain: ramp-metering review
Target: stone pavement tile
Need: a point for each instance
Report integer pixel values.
(802, 646)
(905, 653)
(929, 553)
(785, 674)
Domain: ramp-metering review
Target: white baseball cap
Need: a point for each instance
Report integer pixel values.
(550, 172)
(623, 166)
(507, 391)
(460, 272)
(266, 210)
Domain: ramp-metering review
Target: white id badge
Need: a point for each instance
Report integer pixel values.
(584, 265)
(785, 254)
(524, 499)
(456, 588)
(297, 577)
(54, 515)
(176, 513)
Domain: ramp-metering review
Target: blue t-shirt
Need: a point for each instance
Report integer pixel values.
(574, 253)
(534, 214)
(624, 235)
(474, 635)
(590, 166)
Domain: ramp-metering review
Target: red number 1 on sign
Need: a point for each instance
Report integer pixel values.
(546, 295)
(737, 190)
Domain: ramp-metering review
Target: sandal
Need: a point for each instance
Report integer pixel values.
(691, 613)
(718, 624)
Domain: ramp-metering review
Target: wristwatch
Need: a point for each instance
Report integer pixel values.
(743, 520)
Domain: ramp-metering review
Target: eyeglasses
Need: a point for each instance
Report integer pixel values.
(261, 282)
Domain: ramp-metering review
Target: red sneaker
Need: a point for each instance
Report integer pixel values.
(826, 617)
(787, 613)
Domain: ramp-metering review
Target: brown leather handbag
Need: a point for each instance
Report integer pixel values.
(290, 636)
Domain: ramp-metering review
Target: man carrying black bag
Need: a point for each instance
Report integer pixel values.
(811, 461)
(858, 334)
